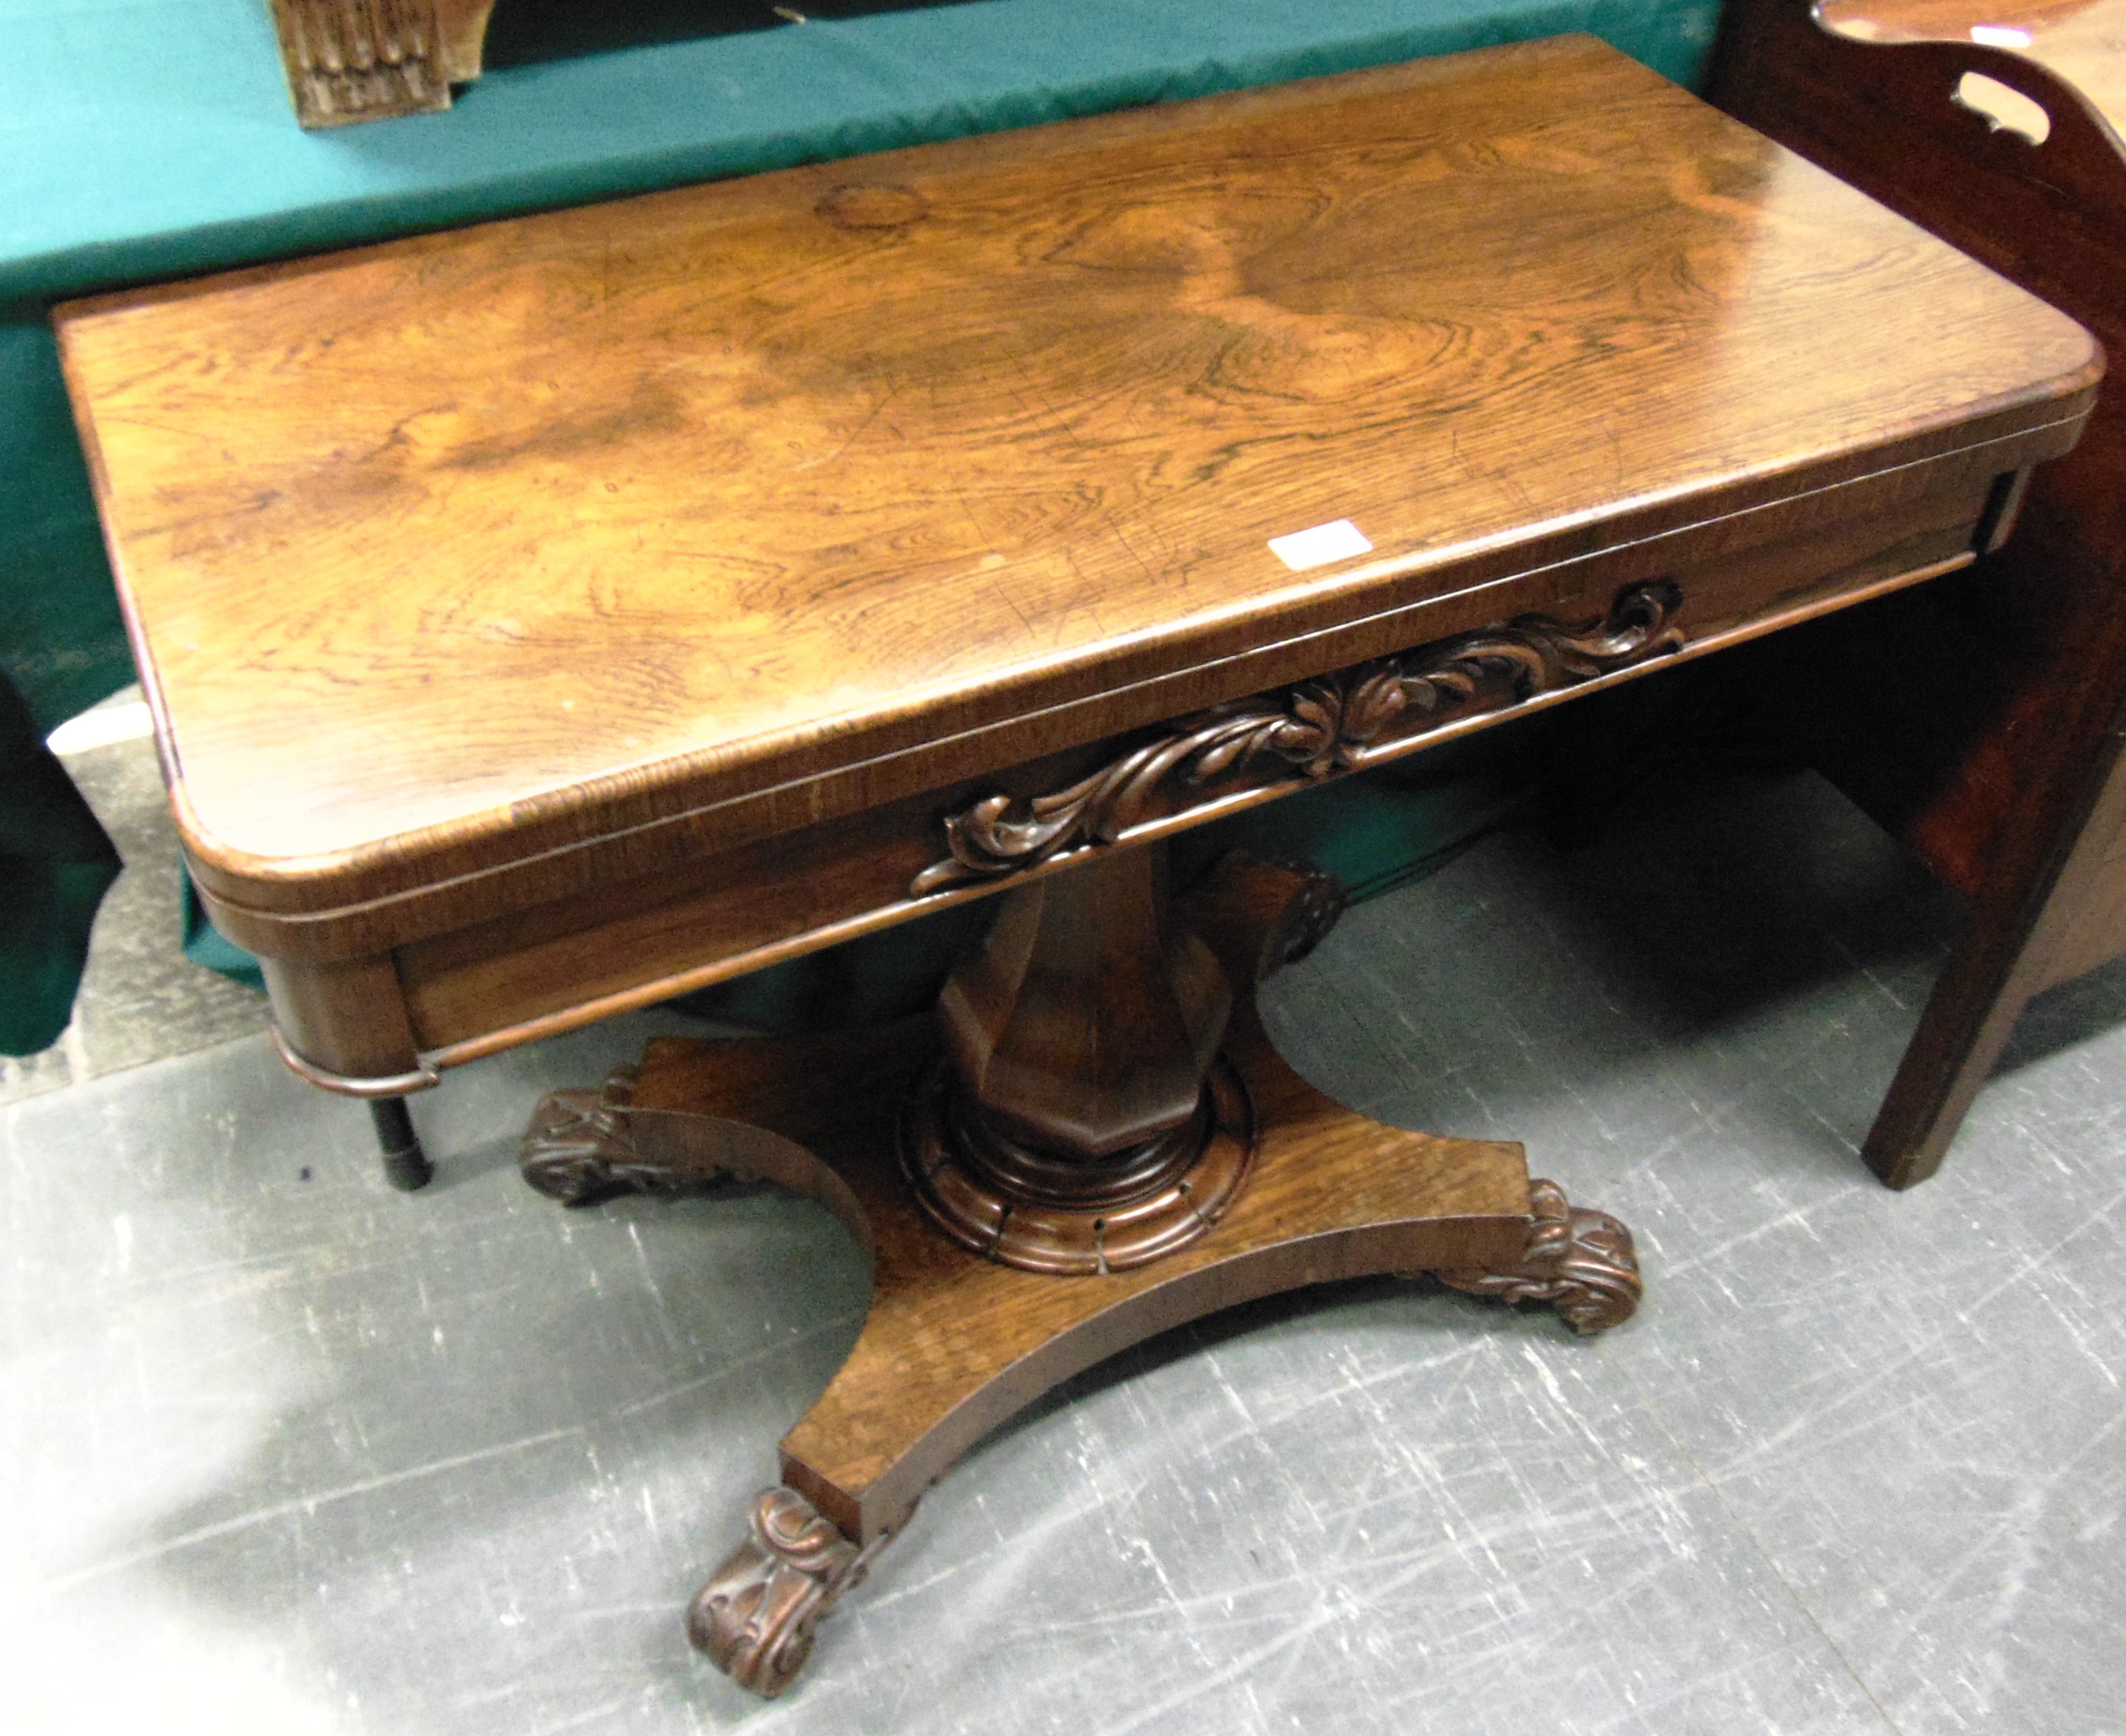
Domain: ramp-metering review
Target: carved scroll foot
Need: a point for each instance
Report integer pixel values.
(759, 1614)
(581, 1150)
(1580, 1262)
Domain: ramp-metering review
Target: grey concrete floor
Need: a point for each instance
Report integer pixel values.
(292, 1453)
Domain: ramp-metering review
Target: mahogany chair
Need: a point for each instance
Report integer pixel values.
(1980, 718)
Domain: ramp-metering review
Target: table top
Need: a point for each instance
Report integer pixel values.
(154, 139)
(2084, 41)
(624, 511)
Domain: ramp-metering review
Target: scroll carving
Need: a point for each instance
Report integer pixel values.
(757, 1615)
(581, 1150)
(1311, 731)
(1580, 1262)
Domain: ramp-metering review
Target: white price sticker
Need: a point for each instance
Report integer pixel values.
(1319, 545)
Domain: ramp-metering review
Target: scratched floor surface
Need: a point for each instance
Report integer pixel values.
(291, 1453)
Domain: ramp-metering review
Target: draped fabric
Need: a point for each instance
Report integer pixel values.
(55, 865)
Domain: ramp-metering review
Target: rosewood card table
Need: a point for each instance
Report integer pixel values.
(551, 617)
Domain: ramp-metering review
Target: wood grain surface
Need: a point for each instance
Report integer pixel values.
(466, 550)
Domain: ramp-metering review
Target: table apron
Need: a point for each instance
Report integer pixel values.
(524, 974)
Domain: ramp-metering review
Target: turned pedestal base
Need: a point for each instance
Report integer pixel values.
(956, 1341)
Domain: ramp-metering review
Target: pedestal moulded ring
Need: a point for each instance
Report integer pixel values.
(967, 1204)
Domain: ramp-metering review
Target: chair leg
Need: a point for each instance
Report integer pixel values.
(406, 1165)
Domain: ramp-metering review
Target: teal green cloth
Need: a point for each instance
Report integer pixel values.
(61, 638)
(145, 139)
(204, 944)
(55, 865)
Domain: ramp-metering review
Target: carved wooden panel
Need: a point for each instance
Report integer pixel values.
(350, 60)
(1321, 727)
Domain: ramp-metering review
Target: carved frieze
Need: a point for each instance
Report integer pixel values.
(1311, 731)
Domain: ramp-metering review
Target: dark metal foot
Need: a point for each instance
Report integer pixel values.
(1580, 1262)
(757, 1617)
(406, 1165)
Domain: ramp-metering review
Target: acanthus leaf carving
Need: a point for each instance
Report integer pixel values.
(1577, 1260)
(1319, 728)
(757, 1617)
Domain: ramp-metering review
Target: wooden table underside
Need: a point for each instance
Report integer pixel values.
(696, 581)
